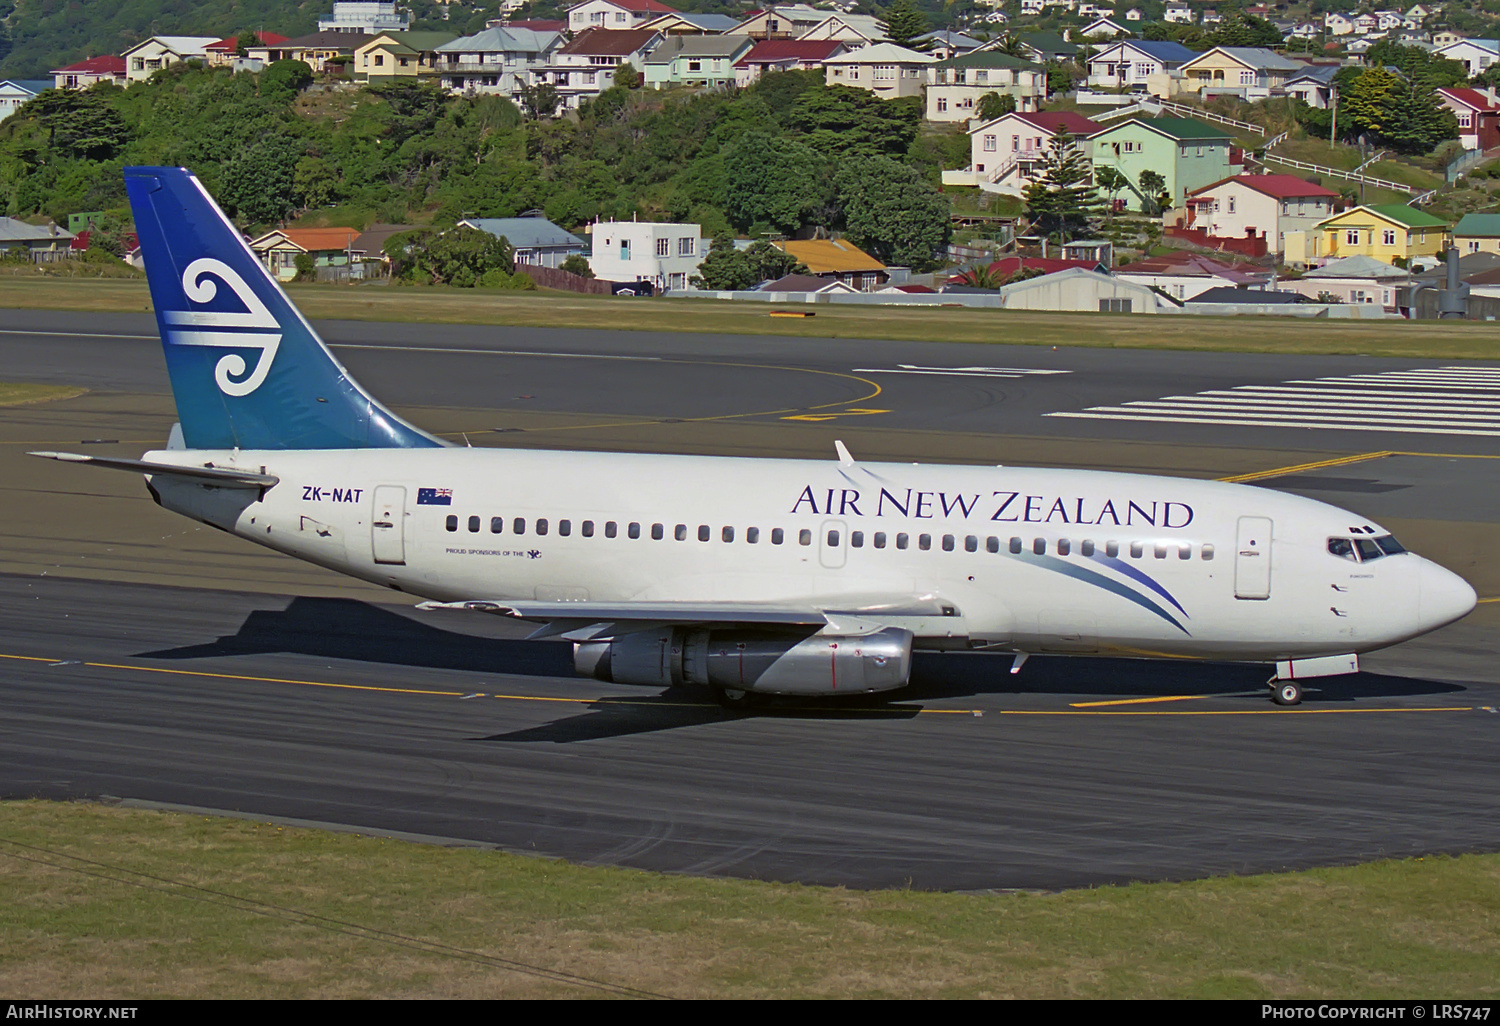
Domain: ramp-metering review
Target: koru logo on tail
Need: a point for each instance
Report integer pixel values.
(256, 329)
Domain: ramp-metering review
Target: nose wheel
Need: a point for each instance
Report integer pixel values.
(1286, 692)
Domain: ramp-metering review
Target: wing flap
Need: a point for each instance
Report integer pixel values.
(224, 477)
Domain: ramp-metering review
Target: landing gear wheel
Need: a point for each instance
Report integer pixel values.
(1286, 692)
(736, 699)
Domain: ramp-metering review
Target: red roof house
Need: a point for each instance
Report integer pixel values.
(1478, 116)
(785, 55)
(223, 53)
(89, 72)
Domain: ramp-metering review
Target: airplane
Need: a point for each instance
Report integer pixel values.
(752, 577)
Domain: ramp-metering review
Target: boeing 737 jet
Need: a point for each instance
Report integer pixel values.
(746, 576)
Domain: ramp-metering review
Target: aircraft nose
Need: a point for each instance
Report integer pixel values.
(1443, 597)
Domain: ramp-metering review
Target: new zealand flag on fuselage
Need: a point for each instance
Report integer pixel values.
(434, 496)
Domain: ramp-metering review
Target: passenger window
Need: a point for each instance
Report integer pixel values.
(1015, 545)
(474, 525)
(880, 539)
(752, 535)
(1112, 549)
(704, 534)
(1184, 552)
(565, 527)
(902, 541)
(992, 544)
(452, 523)
(971, 544)
(634, 530)
(1064, 546)
(658, 532)
(924, 542)
(1341, 547)
(497, 525)
(1207, 552)
(857, 539)
(518, 525)
(588, 528)
(727, 534)
(611, 529)
(947, 543)
(1161, 550)
(1039, 546)
(1087, 547)
(777, 536)
(833, 539)
(804, 537)
(541, 526)
(1137, 550)
(680, 532)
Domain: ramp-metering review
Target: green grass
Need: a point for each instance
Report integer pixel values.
(105, 902)
(1444, 340)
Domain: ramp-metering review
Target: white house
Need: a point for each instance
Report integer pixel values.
(1476, 54)
(1083, 290)
(956, 86)
(852, 29)
(496, 61)
(90, 72)
(534, 240)
(145, 58)
(1005, 153)
(1133, 63)
(885, 69)
(615, 14)
(1338, 25)
(665, 255)
(16, 91)
(1259, 206)
(1104, 28)
(585, 67)
(365, 16)
(1178, 14)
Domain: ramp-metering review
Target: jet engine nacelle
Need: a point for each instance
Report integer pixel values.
(823, 664)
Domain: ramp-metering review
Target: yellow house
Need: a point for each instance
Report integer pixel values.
(399, 55)
(1250, 72)
(1386, 232)
(1477, 233)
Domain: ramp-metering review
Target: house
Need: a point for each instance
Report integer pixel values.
(396, 55)
(90, 72)
(146, 58)
(1084, 290)
(1475, 54)
(585, 66)
(837, 260)
(1178, 14)
(615, 14)
(810, 284)
(1421, 12)
(42, 243)
(329, 248)
(1302, 30)
(1258, 206)
(854, 29)
(1336, 24)
(784, 55)
(1478, 114)
(944, 44)
(1032, 8)
(955, 86)
(1187, 153)
(1103, 28)
(680, 24)
(1005, 153)
(1477, 233)
(321, 51)
(663, 255)
(1137, 64)
(365, 17)
(535, 240)
(17, 91)
(885, 69)
(1447, 38)
(782, 21)
(1249, 72)
(1361, 280)
(371, 242)
(222, 54)
(498, 60)
(1184, 275)
(695, 60)
(1313, 85)
(1210, 17)
(1364, 24)
(1042, 47)
(1007, 267)
(1387, 232)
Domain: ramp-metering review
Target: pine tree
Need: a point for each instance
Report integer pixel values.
(904, 23)
(1063, 200)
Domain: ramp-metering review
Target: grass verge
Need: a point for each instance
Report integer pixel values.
(110, 902)
(1442, 340)
(20, 394)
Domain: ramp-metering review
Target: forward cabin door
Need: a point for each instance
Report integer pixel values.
(388, 524)
(833, 545)
(1252, 559)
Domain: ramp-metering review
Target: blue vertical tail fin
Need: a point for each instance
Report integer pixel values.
(247, 370)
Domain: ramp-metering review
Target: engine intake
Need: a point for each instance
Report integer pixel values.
(778, 664)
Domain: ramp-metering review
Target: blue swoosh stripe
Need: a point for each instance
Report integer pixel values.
(1098, 580)
(1130, 571)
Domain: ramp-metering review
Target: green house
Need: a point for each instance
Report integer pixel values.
(1186, 152)
(695, 60)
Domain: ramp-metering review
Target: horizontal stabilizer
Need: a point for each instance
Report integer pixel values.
(224, 477)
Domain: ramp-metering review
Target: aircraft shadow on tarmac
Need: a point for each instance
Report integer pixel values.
(363, 632)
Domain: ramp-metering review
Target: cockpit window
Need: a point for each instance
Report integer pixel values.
(1365, 549)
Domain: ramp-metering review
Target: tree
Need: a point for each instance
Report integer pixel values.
(724, 268)
(767, 262)
(81, 124)
(1367, 104)
(1152, 187)
(627, 77)
(994, 105)
(539, 101)
(259, 182)
(1111, 180)
(1062, 200)
(577, 264)
(892, 212)
(460, 256)
(281, 80)
(904, 23)
(774, 182)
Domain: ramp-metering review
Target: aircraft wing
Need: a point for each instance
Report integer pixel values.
(579, 621)
(224, 477)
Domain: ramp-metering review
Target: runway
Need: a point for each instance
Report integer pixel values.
(149, 659)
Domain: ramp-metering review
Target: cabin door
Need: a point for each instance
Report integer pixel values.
(388, 524)
(1252, 559)
(833, 544)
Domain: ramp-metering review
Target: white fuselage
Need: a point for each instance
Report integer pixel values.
(1030, 560)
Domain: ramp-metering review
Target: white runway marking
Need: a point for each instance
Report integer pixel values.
(1432, 401)
(958, 372)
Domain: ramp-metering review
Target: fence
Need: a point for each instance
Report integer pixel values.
(567, 281)
(1249, 246)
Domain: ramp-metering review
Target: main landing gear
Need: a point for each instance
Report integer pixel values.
(1285, 692)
